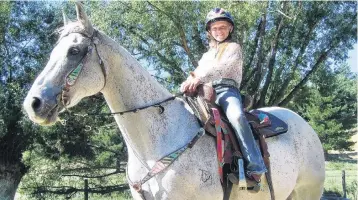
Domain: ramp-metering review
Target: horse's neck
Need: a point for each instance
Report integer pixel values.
(129, 86)
(126, 77)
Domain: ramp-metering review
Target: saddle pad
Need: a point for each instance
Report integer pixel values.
(276, 127)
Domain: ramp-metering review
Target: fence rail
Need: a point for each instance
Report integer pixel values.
(341, 180)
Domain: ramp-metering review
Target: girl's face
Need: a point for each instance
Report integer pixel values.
(220, 30)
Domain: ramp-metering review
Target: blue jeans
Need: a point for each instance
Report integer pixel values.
(229, 99)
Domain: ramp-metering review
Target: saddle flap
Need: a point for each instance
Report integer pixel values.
(201, 102)
(266, 123)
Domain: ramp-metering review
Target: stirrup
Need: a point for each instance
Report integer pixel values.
(256, 188)
(232, 178)
(256, 179)
(238, 177)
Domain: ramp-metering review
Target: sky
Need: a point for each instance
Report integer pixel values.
(352, 60)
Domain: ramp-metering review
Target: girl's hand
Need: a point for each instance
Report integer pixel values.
(190, 86)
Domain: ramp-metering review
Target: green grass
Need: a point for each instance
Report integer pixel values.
(341, 165)
(333, 183)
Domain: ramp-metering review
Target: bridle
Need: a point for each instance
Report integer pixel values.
(72, 77)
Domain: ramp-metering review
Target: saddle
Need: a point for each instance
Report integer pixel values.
(263, 125)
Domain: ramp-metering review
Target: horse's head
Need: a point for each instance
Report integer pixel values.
(73, 72)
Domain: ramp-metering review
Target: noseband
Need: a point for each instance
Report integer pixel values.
(72, 77)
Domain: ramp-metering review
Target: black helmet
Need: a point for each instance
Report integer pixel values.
(218, 14)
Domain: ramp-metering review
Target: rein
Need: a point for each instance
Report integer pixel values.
(135, 110)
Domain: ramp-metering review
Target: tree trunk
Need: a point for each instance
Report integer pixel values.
(279, 95)
(277, 82)
(272, 60)
(257, 72)
(246, 75)
(10, 176)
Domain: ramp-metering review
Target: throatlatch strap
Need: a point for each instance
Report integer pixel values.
(219, 142)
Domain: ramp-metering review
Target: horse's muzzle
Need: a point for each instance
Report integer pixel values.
(42, 106)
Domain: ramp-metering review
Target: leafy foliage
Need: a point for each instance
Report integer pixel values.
(294, 54)
(28, 38)
(329, 104)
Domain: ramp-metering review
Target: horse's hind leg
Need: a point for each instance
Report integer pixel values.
(307, 192)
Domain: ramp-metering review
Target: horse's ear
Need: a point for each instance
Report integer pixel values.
(66, 20)
(82, 17)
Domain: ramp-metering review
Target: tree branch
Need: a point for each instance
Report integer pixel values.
(161, 56)
(252, 54)
(279, 11)
(257, 72)
(335, 41)
(86, 169)
(181, 34)
(298, 60)
(104, 148)
(272, 61)
(321, 59)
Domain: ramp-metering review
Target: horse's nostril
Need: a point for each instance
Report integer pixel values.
(36, 103)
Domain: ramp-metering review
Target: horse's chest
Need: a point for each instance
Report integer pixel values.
(186, 178)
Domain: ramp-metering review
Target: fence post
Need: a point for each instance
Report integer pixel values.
(86, 189)
(344, 183)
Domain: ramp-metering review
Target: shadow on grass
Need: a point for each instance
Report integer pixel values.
(332, 195)
(343, 157)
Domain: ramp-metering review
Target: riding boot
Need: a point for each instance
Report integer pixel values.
(238, 175)
(230, 101)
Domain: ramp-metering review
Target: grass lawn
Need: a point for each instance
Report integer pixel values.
(334, 165)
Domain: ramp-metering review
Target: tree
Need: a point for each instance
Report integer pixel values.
(290, 49)
(329, 104)
(19, 43)
(86, 146)
(286, 44)
(168, 37)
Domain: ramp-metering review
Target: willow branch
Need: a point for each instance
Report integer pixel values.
(181, 34)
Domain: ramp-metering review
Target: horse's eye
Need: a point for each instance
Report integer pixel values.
(73, 51)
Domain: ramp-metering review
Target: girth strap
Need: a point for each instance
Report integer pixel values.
(266, 157)
(219, 142)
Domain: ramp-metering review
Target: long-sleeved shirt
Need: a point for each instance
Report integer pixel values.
(224, 61)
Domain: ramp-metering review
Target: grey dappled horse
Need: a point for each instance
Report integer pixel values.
(85, 62)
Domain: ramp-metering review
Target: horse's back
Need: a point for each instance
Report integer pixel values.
(297, 166)
(299, 153)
